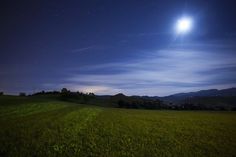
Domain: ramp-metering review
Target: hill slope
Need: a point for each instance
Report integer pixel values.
(204, 93)
(54, 128)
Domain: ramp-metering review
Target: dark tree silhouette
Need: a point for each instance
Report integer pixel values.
(22, 94)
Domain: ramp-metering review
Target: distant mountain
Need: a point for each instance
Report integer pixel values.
(230, 92)
(212, 99)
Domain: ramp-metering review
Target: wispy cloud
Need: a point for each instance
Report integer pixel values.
(153, 34)
(161, 72)
(83, 49)
(147, 34)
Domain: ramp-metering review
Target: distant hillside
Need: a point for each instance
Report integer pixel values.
(231, 92)
(205, 99)
(212, 99)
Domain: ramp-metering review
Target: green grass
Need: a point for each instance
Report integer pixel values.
(53, 128)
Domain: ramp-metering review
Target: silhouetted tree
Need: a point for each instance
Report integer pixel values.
(121, 103)
(64, 90)
(65, 94)
(1, 93)
(22, 94)
(91, 94)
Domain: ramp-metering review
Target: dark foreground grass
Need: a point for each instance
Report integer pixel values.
(66, 129)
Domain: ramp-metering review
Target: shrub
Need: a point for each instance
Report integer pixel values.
(22, 94)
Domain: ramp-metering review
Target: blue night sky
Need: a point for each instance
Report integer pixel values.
(113, 46)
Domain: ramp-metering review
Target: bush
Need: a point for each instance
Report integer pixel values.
(65, 94)
(22, 94)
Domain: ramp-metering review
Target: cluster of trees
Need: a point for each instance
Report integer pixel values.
(67, 95)
(140, 104)
(81, 97)
(137, 102)
(208, 103)
(206, 106)
(22, 94)
(46, 93)
(193, 104)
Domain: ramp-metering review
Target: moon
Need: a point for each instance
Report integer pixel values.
(184, 25)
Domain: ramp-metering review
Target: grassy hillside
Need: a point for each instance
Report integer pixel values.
(34, 127)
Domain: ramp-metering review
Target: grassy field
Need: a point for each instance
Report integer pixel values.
(52, 128)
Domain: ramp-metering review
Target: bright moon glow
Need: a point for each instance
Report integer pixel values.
(184, 25)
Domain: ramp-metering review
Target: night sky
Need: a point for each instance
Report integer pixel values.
(113, 46)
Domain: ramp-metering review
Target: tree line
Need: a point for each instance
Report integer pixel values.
(137, 102)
